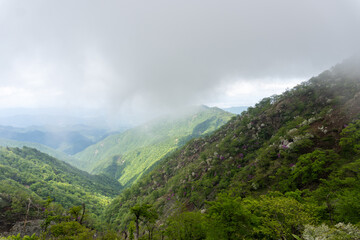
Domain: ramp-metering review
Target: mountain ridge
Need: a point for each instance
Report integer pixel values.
(139, 148)
(289, 147)
(45, 149)
(67, 139)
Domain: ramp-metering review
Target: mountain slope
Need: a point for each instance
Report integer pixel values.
(29, 174)
(302, 144)
(127, 155)
(42, 148)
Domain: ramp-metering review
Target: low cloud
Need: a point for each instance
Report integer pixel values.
(151, 56)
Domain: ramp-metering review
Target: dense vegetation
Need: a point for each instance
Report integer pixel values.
(128, 155)
(276, 171)
(28, 177)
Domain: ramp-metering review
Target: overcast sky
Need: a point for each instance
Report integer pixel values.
(150, 55)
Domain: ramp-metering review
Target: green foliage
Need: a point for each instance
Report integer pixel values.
(186, 225)
(146, 214)
(18, 237)
(110, 235)
(348, 206)
(29, 174)
(350, 141)
(69, 230)
(312, 167)
(131, 230)
(272, 216)
(75, 212)
(53, 213)
(228, 218)
(279, 217)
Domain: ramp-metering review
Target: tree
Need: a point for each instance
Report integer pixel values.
(348, 206)
(150, 218)
(350, 138)
(139, 211)
(311, 167)
(75, 213)
(70, 231)
(228, 218)
(279, 217)
(186, 225)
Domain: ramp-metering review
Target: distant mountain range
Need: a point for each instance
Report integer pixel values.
(70, 139)
(236, 110)
(27, 117)
(45, 149)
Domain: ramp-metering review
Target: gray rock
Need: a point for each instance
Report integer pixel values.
(32, 226)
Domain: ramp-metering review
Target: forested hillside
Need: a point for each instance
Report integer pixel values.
(277, 171)
(28, 177)
(128, 155)
(48, 150)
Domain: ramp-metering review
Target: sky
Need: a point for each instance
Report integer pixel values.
(142, 58)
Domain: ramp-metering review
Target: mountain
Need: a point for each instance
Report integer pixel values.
(236, 110)
(279, 169)
(28, 177)
(127, 155)
(45, 149)
(68, 139)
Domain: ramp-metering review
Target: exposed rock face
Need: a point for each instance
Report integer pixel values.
(32, 226)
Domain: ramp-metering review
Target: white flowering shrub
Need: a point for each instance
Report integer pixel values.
(324, 232)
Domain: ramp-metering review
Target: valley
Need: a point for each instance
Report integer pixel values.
(68, 139)
(126, 156)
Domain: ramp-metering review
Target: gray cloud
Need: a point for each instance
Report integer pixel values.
(126, 55)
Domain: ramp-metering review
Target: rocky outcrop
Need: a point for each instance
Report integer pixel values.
(31, 227)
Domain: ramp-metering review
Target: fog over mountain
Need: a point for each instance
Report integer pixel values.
(143, 58)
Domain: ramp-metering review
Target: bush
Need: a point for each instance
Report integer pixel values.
(69, 231)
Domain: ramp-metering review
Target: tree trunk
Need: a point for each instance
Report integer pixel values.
(27, 213)
(137, 228)
(83, 213)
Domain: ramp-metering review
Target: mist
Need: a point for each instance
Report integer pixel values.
(140, 59)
